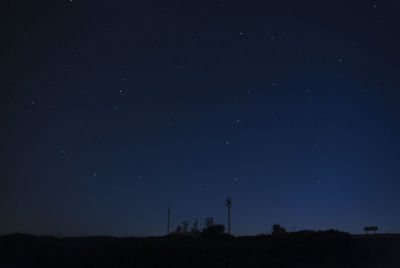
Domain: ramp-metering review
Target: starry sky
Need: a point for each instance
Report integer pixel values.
(113, 111)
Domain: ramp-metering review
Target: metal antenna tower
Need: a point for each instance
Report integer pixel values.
(228, 203)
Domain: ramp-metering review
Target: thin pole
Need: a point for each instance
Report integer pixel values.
(228, 205)
(229, 219)
(169, 218)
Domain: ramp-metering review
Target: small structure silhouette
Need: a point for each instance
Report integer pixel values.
(214, 229)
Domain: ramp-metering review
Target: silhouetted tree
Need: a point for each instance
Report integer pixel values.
(194, 228)
(185, 225)
(277, 229)
(178, 229)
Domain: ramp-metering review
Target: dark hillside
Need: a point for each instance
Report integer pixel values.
(299, 249)
(383, 250)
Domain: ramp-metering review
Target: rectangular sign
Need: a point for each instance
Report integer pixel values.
(371, 228)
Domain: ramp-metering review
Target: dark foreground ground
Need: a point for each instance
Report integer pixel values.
(299, 249)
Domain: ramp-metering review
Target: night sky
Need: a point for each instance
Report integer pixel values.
(113, 111)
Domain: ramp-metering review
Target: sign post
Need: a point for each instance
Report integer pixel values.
(371, 228)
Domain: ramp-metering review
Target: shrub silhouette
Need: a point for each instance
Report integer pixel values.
(277, 229)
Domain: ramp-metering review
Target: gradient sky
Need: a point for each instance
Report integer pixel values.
(111, 111)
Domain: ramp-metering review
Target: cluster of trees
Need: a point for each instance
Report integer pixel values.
(185, 227)
(212, 228)
(277, 229)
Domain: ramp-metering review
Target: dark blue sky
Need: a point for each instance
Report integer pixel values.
(114, 110)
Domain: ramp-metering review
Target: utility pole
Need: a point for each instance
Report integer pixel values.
(228, 203)
(169, 218)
